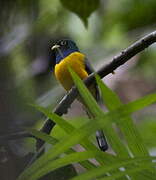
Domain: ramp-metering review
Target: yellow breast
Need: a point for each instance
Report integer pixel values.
(76, 62)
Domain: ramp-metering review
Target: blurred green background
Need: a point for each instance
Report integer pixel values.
(101, 29)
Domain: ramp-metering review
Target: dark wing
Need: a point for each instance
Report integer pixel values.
(90, 70)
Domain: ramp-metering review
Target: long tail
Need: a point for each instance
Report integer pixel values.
(101, 140)
(100, 137)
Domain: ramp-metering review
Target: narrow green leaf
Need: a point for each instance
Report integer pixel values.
(96, 111)
(74, 137)
(103, 158)
(112, 101)
(129, 130)
(138, 170)
(60, 162)
(91, 103)
(110, 98)
(45, 137)
(49, 139)
(140, 103)
(68, 128)
(99, 171)
(64, 144)
(87, 97)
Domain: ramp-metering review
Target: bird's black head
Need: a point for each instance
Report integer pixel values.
(62, 49)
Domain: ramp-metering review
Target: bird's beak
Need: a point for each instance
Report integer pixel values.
(55, 47)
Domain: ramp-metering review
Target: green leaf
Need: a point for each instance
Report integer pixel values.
(142, 162)
(55, 164)
(102, 157)
(81, 8)
(127, 126)
(68, 128)
(129, 130)
(139, 170)
(45, 137)
(96, 111)
(110, 98)
(112, 101)
(140, 103)
(86, 95)
(49, 139)
(75, 137)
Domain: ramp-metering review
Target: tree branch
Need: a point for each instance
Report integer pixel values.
(117, 61)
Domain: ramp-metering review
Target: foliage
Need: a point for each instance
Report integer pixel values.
(132, 155)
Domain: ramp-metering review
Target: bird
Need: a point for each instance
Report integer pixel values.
(65, 54)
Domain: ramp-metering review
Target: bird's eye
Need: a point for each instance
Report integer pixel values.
(63, 43)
